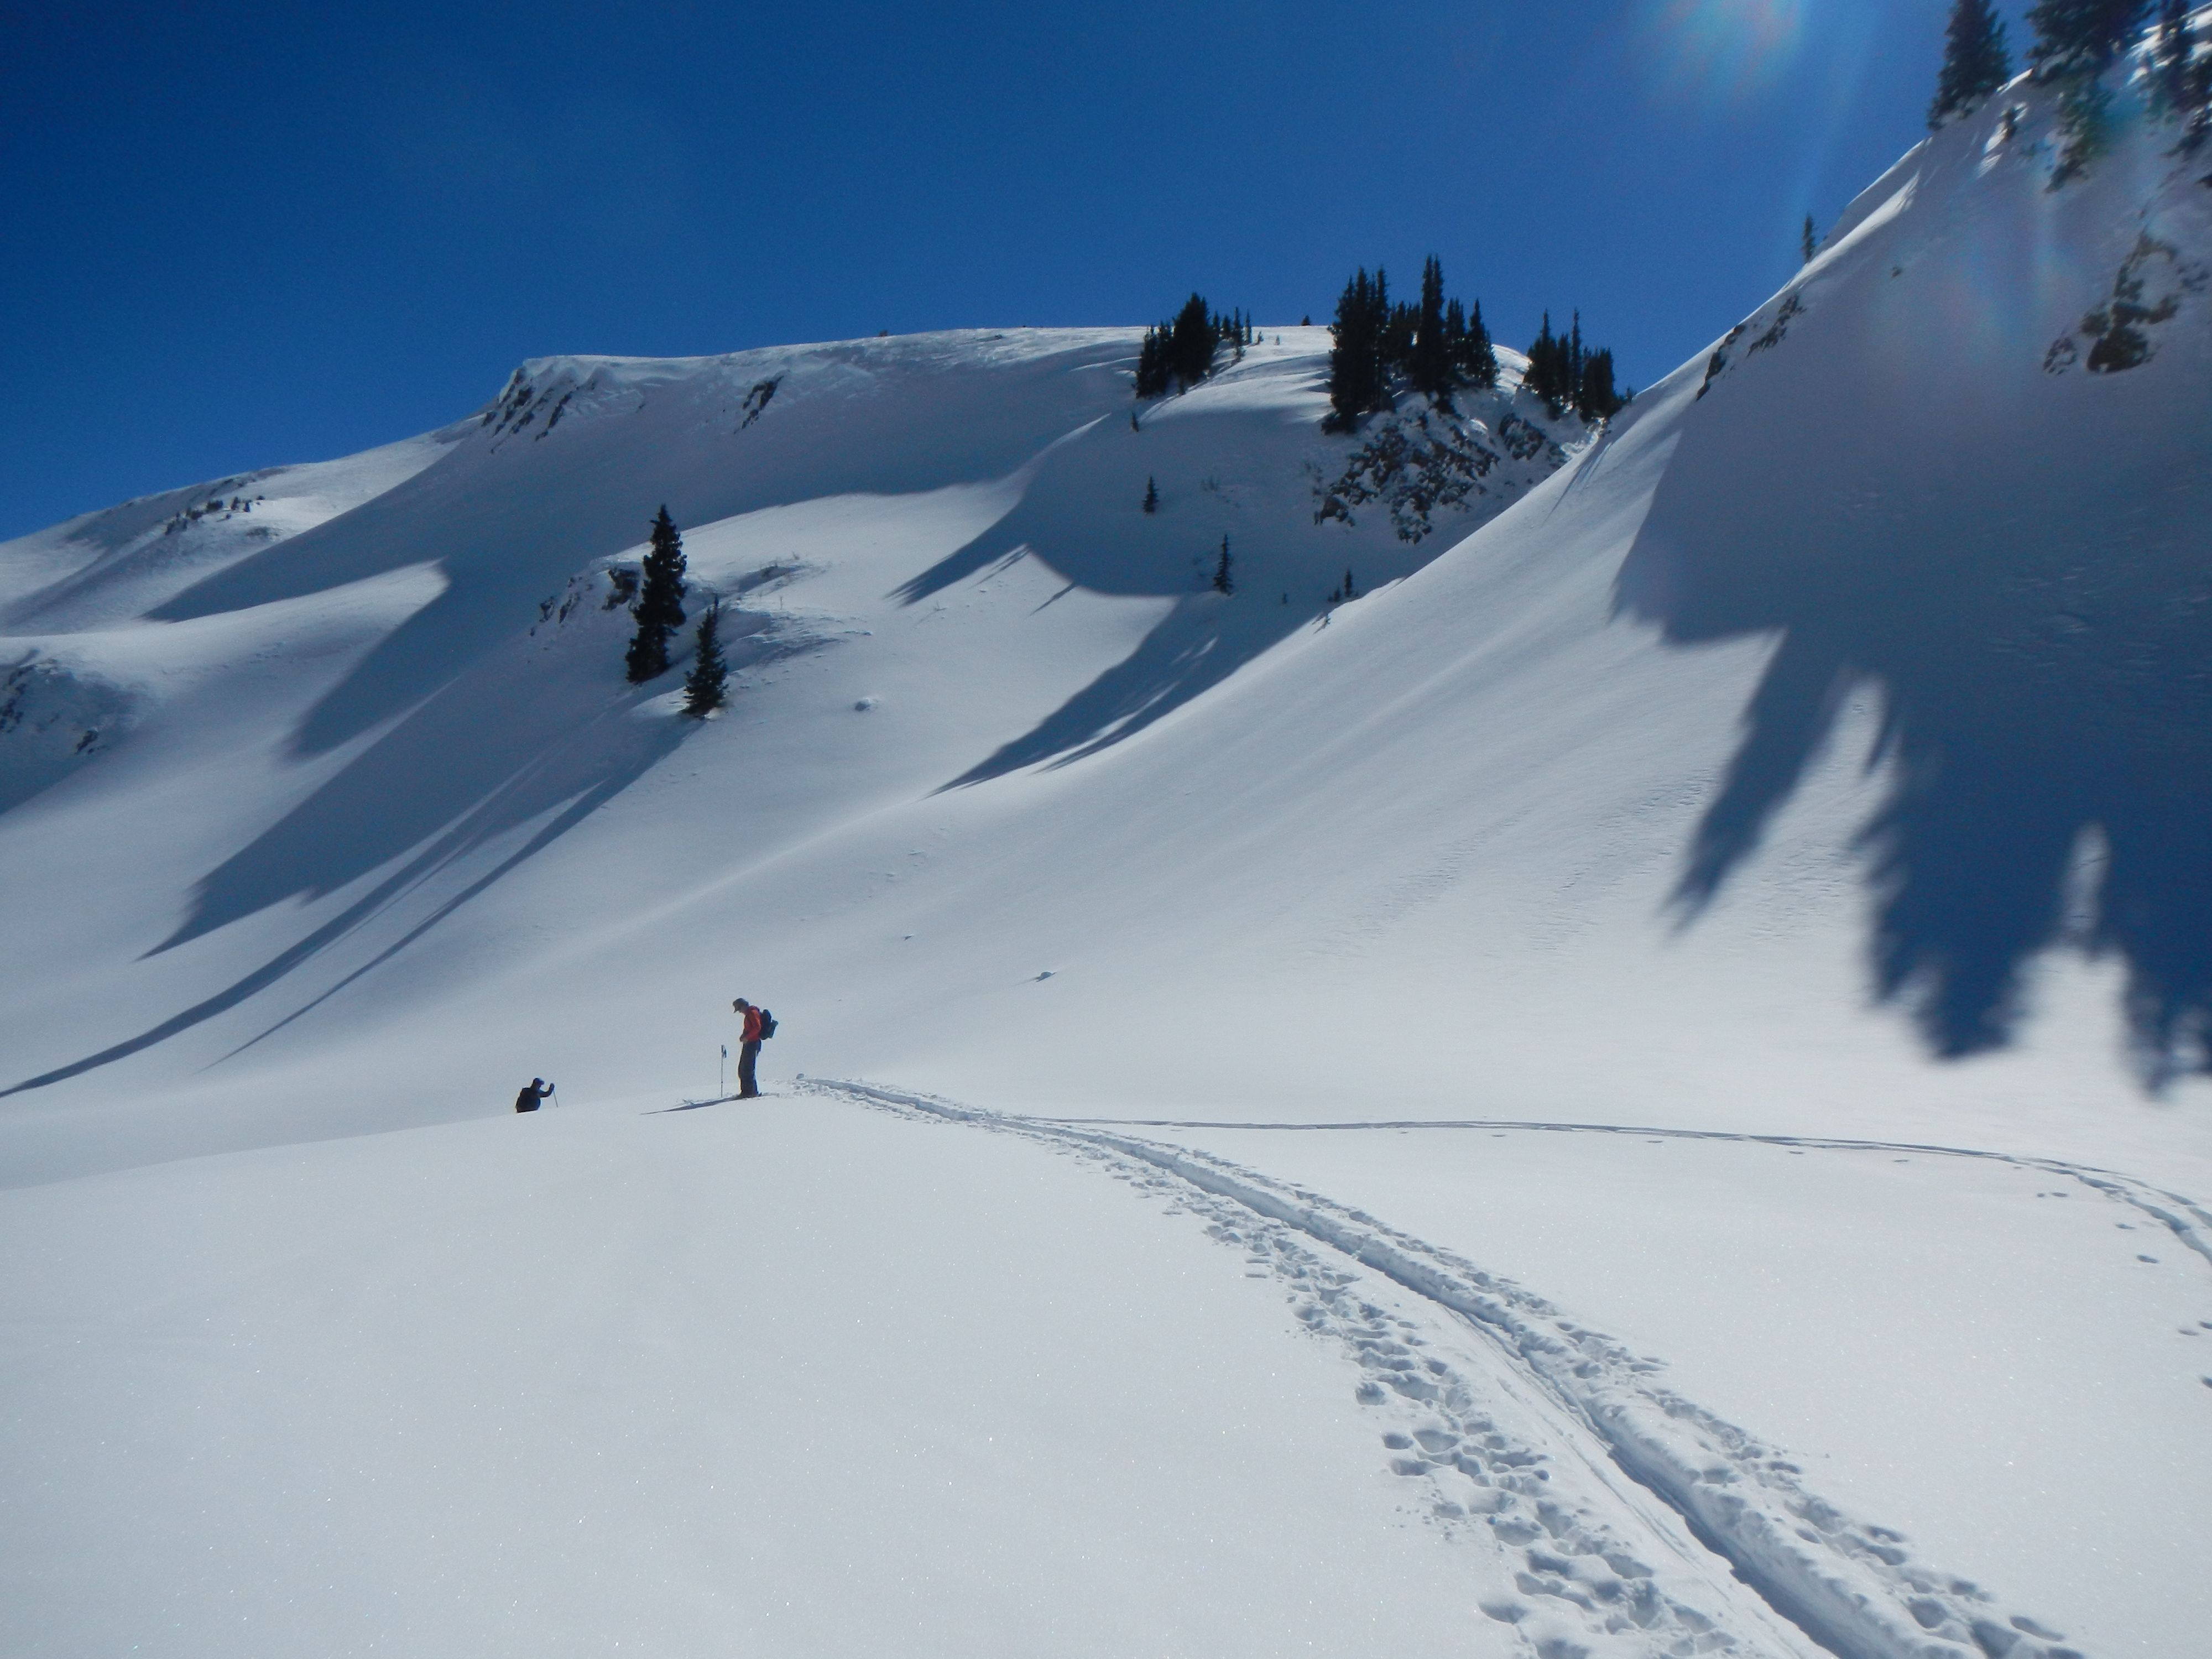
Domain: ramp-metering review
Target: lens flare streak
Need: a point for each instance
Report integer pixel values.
(1725, 48)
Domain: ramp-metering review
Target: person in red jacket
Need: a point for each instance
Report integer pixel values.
(748, 1049)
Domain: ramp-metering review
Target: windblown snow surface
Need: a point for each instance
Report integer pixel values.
(1635, 1090)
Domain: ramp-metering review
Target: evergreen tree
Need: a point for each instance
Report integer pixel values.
(705, 686)
(1192, 340)
(1476, 358)
(1438, 345)
(2175, 51)
(1151, 495)
(1224, 582)
(1181, 351)
(1811, 239)
(1151, 365)
(1568, 375)
(2183, 79)
(1431, 369)
(2079, 36)
(1401, 323)
(1357, 383)
(1548, 377)
(1976, 61)
(1595, 399)
(659, 607)
(2195, 77)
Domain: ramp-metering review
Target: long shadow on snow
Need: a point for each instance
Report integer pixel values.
(1204, 640)
(1199, 644)
(503, 746)
(490, 754)
(1080, 516)
(2016, 562)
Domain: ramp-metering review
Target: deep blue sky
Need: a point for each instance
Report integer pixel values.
(233, 234)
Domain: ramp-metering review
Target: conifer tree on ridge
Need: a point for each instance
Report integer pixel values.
(2081, 37)
(659, 607)
(1430, 367)
(1357, 382)
(1976, 61)
(2183, 77)
(706, 687)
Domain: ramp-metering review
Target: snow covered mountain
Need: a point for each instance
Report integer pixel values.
(1810, 765)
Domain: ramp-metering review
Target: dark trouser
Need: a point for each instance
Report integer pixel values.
(747, 1054)
(525, 1105)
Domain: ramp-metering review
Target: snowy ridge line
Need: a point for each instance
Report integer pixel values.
(1849, 1586)
(2192, 1228)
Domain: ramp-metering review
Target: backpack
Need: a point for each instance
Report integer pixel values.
(767, 1023)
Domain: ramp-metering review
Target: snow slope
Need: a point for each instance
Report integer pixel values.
(1815, 756)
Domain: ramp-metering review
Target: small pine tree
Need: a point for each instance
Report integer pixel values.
(706, 686)
(1811, 239)
(2197, 91)
(1192, 339)
(2175, 51)
(1181, 351)
(1401, 323)
(2182, 78)
(1976, 61)
(1151, 495)
(1430, 367)
(1477, 358)
(1152, 366)
(1224, 582)
(659, 607)
(1357, 382)
(1350, 589)
(2081, 37)
(1595, 399)
(1547, 377)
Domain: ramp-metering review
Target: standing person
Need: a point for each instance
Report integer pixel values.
(532, 1091)
(748, 1049)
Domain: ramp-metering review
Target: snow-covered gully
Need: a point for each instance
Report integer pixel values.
(1527, 1449)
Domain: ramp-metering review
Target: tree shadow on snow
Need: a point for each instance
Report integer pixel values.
(1201, 642)
(1080, 516)
(2016, 563)
(509, 749)
(1198, 645)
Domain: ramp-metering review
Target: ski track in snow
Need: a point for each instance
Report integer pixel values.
(2190, 1222)
(1487, 1455)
